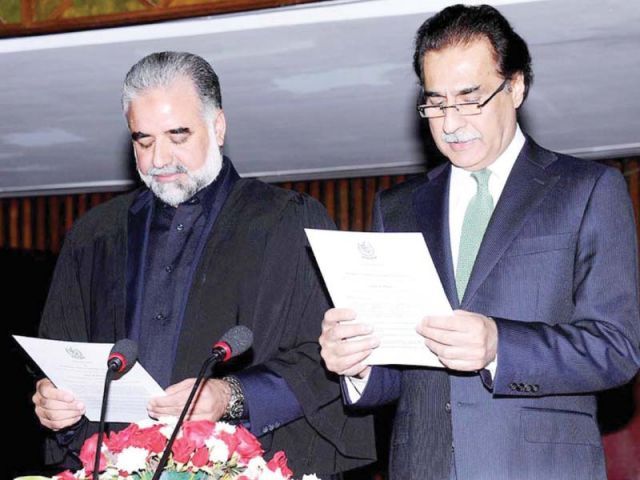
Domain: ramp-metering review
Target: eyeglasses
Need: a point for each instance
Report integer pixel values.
(466, 108)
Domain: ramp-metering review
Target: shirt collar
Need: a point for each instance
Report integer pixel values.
(501, 168)
(206, 196)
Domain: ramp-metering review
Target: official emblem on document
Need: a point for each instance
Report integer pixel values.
(74, 353)
(366, 250)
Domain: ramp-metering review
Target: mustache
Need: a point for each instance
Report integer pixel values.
(459, 137)
(167, 170)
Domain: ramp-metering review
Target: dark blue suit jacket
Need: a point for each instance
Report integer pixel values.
(558, 271)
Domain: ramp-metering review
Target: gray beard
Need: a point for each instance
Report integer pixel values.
(175, 193)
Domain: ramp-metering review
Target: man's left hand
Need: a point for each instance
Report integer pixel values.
(464, 341)
(209, 403)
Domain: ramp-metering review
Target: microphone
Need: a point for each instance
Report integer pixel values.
(122, 358)
(235, 342)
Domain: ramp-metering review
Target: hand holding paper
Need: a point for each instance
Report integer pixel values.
(390, 282)
(346, 357)
(80, 369)
(55, 408)
(465, 341)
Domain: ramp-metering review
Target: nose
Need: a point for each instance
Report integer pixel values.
(452, 120)
(161, 154)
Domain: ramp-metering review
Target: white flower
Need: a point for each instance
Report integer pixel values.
(255, 467)
(110, 473)
(132, 459)
(146, 423)
(168, 420)
(224, 427)
(218, 450)
(169, 424)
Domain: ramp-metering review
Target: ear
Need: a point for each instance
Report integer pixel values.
(220, 125)
(516, 89)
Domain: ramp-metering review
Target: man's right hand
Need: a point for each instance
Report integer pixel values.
(343, 354)
(56, 409)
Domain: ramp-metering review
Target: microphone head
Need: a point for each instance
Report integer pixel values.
(239, 339)
(123, 355)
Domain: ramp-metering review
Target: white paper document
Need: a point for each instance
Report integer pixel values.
(81, 368)
(390, 281)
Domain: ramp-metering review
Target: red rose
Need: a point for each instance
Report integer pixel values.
(150, 439)
(279, 461)
(66, 475)
(248, 445)
(230, 440)
(182, 450)
(201, 457)
(118, 441)
(88, 455)
(198, 431)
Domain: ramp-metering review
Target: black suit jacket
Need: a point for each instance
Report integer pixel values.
(256, 270)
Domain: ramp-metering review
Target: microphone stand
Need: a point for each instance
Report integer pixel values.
(216, 357)
(103, 412)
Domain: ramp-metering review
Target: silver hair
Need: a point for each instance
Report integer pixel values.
(162, 69)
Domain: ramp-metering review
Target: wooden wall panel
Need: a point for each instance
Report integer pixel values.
(40, 223)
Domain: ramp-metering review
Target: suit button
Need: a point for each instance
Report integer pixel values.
(513, 386)
(180, 227)
(535, 388)
(528, 388)
(521, 387)
(447, 407)
(265, 429)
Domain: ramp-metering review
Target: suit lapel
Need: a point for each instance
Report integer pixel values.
(525, 188)
(194, 345)
(431, 206)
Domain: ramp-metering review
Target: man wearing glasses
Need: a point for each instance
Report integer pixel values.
(537, 254)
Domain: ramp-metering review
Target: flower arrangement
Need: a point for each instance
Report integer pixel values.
(203, 450)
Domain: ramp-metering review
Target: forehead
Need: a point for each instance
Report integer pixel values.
(167, 106)
(460, 66)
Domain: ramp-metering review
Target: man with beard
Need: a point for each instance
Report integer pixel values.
(537, 254)
(175, 265)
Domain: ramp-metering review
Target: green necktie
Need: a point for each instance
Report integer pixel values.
(476, 219)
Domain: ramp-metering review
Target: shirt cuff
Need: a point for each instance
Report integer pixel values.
(355, 387)
(492, 367)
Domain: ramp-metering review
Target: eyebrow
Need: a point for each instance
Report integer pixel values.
(464, 91)
(174, 131)
(179, 131)
(138, 135)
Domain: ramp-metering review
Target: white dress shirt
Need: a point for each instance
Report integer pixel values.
(462, 187)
